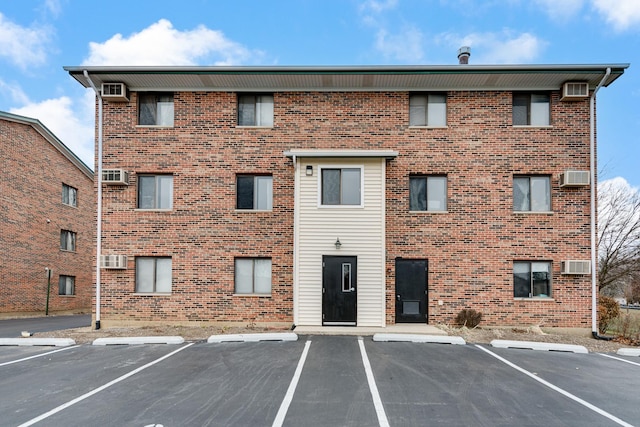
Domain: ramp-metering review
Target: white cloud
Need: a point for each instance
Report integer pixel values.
(13, 92)
(161, 44)
(404, 46)
(622, 14)
(560, 10)
(72, 124)
(23, 46)
(377, 6)
(505, 47)
(53, 6)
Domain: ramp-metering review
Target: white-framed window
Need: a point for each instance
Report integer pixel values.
(428, 109)
(254, 192)
(255, 110)
(532, 193)
(67, 240)
(341, 186)
(155, 109)
(531, 109)
(69, 195)
(153, 274)
(155, 191)
(253, 276)
(428, 193)
(531, 279)
(66, 285)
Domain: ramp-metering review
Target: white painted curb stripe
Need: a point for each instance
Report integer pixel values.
(56, 342)
(288, 397)
(377, 401)
(531, 345)
(437, 339)
(629, 352)
(558, 389)
(621, 360)
(38, 355)
(284, 336)
(101, 388)
(138, 340)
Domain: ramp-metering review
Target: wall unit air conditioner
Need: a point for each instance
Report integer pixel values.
(575, 91)
(113, 262)
(115, 177)
(115, 92)
(576, 267)
(573, 178)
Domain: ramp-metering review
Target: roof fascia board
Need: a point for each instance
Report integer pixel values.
(388, 154)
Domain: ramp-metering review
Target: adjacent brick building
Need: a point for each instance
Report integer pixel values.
(47, 207)
(347, 195)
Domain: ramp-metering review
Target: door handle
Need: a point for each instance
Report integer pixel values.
(352, 289)
(398, 297)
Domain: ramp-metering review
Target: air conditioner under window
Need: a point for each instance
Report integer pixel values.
(115, 92)
(573, 178)
(115, 177)
(113, 262)
(576, 267)
(575, 91)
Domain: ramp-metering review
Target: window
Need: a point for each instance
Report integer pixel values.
(429, 109)
(67, 240)
(253, 276)
(254, 192)
(155, 192)
(531, 109)
(69, 195)
(428, 193)
(531, 279)
(66, 285)
(255, 110)
(153, 274)
(532, 193)
(155, 109)
(341, 186)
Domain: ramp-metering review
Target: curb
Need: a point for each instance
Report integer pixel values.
(543, 346)
(284, 336)
(629, 352)
(55, 342)
(138, 340)
(437, 339)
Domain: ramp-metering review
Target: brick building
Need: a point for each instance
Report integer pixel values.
(47, 218)
(347, 195)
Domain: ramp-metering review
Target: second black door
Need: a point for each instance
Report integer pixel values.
(411, 290)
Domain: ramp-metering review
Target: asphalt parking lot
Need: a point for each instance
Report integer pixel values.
(315, 381)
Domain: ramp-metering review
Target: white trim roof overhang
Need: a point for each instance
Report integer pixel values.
(387, 154)
(346, 78)
(51, 138)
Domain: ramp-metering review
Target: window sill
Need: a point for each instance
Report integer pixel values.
(152, 294)
(429, 127)
(68, 250)
(66, 296)
(69, 206)
(534, 212)
(532, 126)
(153, 210)
(429, 212)
(254, 210)
(155, 126)
(340, 206)
(253, 127)
(253, 295)
(550, 299)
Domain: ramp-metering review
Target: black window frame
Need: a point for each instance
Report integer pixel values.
(415, 204)
(68, 237)
(526, 287)
(248, 192)
(523, 100)
(63, 286)
(67, 190)
(142, 199)
(149, 116)
(247, 112)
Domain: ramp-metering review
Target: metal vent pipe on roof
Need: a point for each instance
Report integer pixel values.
(463, 55)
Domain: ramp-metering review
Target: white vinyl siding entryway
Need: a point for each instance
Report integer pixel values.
(360, 230)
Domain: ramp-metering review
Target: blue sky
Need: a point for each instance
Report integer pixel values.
(39, 37)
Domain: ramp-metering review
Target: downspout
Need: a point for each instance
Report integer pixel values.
(296, 208)
(594, 248)
(99, 216)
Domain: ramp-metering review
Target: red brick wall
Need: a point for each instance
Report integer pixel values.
(31, 217)
(470, 249)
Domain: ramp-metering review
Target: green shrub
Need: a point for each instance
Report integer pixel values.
(608, 310)
(468, 317)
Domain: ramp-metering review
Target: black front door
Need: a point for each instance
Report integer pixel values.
(411, 290)
(339, 290)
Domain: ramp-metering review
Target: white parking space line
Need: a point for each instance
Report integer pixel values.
(377, 402)
(611, 357)
(558, 389)
(37, 355)
(101, 388)
(288, 397)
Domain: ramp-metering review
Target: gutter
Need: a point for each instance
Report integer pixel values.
(99, 203)
(594, 248)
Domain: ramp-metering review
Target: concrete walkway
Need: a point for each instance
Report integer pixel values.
(400, 328)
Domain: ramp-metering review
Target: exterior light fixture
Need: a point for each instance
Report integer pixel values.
(309, 170)
(338, 244)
